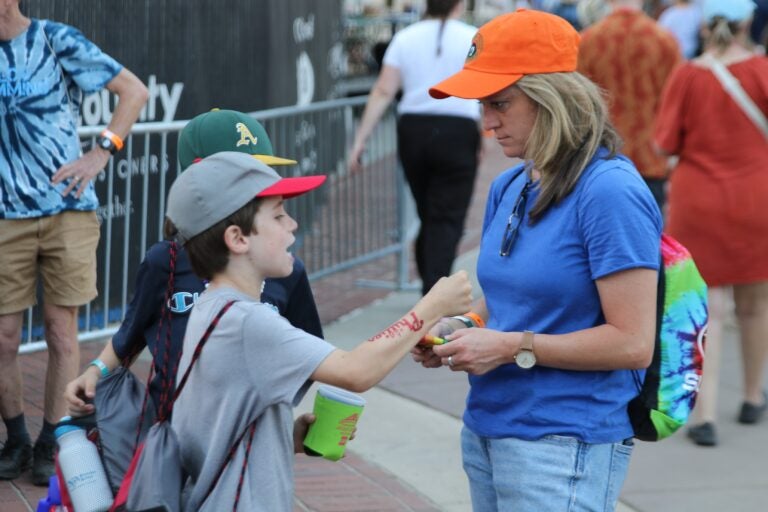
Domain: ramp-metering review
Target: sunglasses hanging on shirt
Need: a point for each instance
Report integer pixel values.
(514, 221)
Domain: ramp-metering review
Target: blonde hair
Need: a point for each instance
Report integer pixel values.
(721, 33)
(571, 125)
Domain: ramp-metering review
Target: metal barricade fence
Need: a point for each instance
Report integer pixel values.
(351, 220)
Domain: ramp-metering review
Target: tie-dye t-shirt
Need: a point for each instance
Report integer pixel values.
(44, 72)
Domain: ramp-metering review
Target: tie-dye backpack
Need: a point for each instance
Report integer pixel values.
(668, 393)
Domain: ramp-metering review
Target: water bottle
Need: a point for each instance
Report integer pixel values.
(82, 470)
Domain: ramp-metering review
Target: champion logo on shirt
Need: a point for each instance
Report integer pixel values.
(13, 85)
(181, 302)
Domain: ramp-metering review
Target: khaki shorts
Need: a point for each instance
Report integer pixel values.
(62, 247)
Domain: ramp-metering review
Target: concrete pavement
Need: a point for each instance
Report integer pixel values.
(411, 427)
(406, 456)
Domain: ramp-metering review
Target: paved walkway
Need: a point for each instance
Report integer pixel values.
(412, 422)
(353, 484)
(406, 455)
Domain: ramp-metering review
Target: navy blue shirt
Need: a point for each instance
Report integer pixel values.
(291, 296)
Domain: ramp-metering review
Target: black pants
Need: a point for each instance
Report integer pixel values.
(439, 157)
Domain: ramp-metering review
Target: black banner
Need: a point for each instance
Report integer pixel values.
(193, 55)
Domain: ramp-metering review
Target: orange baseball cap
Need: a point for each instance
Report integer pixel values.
(520, 43)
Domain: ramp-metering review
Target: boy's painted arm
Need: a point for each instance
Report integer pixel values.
(366, 365)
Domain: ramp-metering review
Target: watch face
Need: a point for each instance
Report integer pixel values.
(525, 359)
(105, 143)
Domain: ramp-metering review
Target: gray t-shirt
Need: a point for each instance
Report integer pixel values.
(255, 365)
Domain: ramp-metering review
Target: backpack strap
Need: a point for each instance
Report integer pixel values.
(170, 371)
(164, 414)
(661, 292)
(250, 429)
(165, 315)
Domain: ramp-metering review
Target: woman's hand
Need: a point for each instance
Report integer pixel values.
(426, 356)
(423, 353)
(478, 351)
(81, 391)
(355, 162)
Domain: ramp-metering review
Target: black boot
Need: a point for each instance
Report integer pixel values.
(14, 459)
(43, 467)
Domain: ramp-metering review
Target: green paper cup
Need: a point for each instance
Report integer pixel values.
(336, 414)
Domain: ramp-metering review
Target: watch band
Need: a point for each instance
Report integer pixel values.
(115, 138)
(525, 357)
(527, 343)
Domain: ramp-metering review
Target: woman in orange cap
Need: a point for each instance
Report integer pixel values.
(568, 265)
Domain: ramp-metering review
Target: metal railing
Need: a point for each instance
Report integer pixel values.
(351, 220)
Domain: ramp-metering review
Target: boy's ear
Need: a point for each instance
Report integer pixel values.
(234, 239)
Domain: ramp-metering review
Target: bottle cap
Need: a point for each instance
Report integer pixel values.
(65, 429)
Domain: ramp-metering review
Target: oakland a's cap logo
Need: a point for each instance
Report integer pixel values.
(477, 46)
(246, 137)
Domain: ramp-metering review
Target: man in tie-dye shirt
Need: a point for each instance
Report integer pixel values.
(48, 224)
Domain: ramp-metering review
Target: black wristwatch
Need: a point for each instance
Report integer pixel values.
(106, 143)
(109, 141)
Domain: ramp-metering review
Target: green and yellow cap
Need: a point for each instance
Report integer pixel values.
(225, 130)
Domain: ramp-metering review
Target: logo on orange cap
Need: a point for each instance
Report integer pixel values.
(477, 47)
(523, 42)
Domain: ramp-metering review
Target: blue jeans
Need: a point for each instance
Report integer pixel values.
(553, 474)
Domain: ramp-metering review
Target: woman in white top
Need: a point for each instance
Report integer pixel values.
(438, 141)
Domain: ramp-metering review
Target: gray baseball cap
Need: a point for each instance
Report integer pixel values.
(214, 188)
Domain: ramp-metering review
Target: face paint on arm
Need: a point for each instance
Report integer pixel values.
(409, 321)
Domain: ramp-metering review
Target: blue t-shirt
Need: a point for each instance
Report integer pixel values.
(43, 73)
(608, 223)
(290, 296)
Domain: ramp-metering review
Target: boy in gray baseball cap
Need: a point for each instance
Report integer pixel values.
(229, 213)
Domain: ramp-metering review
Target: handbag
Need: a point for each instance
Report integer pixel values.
(123, 420)
(732, 86)
(122, 413)
(122, 406)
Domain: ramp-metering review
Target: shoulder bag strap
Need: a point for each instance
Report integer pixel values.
(167, 382)
(195, 357)
(70, 103)
(732, 86)
(250, 429)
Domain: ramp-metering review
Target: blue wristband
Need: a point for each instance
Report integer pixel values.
(98, 363)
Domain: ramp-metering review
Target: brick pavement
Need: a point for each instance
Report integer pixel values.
(350, 485)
